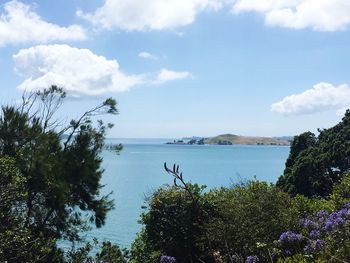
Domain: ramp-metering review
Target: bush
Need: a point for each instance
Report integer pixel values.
(174, 226)
(229, 225)
(249, 217)
(324, 235)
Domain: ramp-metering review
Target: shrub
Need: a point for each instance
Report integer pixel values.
(249, 217)
(173, 225)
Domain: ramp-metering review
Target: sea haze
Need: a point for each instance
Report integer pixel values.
(138, 170)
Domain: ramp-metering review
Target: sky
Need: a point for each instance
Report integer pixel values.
(184, 67)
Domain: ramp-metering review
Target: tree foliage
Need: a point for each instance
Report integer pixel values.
(222, 225)
(50, 172)
(107, 252)
(171, 226)
(324, 234)
(17, 243)
(174, 224)
(316, 163)
(248, 218)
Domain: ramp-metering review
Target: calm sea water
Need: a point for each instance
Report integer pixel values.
(138, 171)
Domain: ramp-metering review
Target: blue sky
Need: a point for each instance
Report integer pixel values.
(184, 67)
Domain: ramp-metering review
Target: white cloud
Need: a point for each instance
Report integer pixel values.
(147, 55)
(320, 15)
(20, 24)
(148, 14)
(322, 97)
(131, 15)
(79, 71)
(166, 75)
(263, 5)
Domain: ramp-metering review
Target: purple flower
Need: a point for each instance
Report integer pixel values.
(252, 259)
(308, 249)
(329, 225)
(314, 233)
(316, 246)
(307, 223)
(321, 216)
(167, 259)
(289, 236)
(342, 212)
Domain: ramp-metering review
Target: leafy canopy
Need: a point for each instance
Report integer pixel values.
(50, 171)
(315, 163)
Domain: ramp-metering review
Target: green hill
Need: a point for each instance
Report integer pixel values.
(229, 139)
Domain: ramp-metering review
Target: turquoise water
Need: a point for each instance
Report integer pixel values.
(138, 170)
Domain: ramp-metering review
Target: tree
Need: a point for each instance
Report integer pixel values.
(60, 164)
(174, 224)
(111, 253)
(316, 163)
(171, 226)
(107, 252)
(248, 218)
(17, 243)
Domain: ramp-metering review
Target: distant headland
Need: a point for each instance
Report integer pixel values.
(232, 139)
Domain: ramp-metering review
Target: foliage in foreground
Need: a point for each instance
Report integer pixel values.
(226, 225)
(250, 222)
(324, 235)
(107, 253)
(172, 227)
(315, 163)
(249, 218)
(49, 176)
(175, 224)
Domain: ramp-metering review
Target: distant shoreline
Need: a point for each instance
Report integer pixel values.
(232, 139)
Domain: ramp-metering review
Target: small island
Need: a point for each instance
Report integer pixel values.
(189, 141)
(232, 139)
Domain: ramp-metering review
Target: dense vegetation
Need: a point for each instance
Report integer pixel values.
(249, 222)
(315, 163)
(50, 190)
(49, 183)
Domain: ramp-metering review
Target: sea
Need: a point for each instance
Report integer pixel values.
(132, 175)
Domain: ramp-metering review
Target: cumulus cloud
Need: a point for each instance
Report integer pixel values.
(148, 14)
(131, 15)
(322, 97)
(263, 5)
(147, 55)
(166, 75)
(320, 15)
(20, 24)
(79, 71)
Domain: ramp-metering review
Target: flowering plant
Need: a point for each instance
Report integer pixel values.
(324, 235)
(167, 259)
